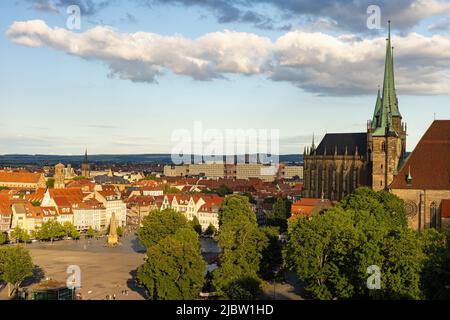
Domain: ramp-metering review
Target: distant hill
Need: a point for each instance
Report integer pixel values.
(39, 159)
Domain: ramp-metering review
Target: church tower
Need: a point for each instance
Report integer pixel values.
(59, 176)
(386, 133)
(85, 167)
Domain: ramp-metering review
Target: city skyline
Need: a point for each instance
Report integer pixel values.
(294, 74)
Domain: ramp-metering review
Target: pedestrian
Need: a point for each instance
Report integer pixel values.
(114, 296)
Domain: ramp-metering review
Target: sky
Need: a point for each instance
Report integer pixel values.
(137, 72)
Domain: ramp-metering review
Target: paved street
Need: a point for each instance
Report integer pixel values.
(104, 271)
(291, 289)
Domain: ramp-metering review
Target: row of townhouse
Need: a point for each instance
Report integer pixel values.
(82, 209)
(203, 206)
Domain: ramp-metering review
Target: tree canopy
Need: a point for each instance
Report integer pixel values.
(331, 252)
(174, 269)
(15, 265)
(160, 224)
(210, 231)
(20, 235)
(3, 238)
(90, 233)
(196, 225)
(70, 230)
(278, 216)
(51, 230)
(242, 244)
(50, 183)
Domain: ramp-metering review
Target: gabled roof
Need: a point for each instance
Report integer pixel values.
(72, 192)
(20, 177)
(429, 163)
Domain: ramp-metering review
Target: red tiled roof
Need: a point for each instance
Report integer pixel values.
(307, 206)
(36, 196)
(5, 205)
(76, 193)
(20, 177)
(429, 162)
(108, 193)
(83, 183)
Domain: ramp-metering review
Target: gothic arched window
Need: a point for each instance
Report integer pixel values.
(433, 215)
(383, 146)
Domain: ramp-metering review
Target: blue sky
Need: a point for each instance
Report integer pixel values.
(55, 101)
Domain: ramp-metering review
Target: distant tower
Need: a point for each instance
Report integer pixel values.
(59, 176)
(386, 133)
(86, 167)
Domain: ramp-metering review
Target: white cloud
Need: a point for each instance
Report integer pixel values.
(313, 61)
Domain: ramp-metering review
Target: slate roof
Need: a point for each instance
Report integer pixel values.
(341, 141)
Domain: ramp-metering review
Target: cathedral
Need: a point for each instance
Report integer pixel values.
(343, 162)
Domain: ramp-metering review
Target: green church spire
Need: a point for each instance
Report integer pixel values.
(388, 107)
(377, 112)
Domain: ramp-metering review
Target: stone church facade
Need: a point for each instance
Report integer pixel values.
(423, 182)
(343, 162)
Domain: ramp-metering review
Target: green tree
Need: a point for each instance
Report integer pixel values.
(120, 231)
(50, 183)
(168, 190)
(174, 268)
(246, 288)
(331, 252)
(51, 230)
(15, 266)
(90, 233)
(236, 206)
(251, 198)
(70, 230)
(35, 203)
(242, 243)
(210, 231)
(317, 249)
(271, 254)
(3, 238)
(20, 235)
(278, 216)
(435, 277)
(224, 190)
(386, 207)
(196, 225)
(160, 224)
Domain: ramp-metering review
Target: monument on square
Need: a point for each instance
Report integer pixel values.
(113, 239)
